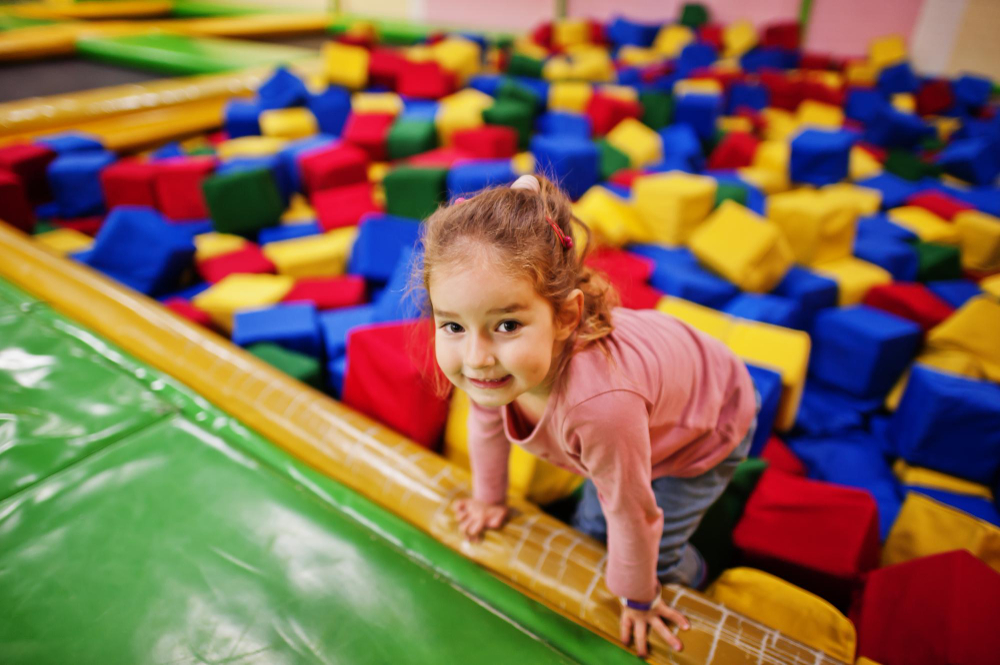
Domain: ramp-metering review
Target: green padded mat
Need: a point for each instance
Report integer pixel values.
(185, 538)
(181, 54)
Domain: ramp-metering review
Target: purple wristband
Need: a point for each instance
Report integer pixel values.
(642, 607)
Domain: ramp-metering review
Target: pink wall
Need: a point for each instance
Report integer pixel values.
(499, 15)
(761, 12)
(846, 27)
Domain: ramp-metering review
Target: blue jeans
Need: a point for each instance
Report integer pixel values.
(683, 502)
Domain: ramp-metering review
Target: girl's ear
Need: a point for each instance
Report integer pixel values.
(570, 315)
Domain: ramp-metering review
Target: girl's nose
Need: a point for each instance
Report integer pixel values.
(478, 353)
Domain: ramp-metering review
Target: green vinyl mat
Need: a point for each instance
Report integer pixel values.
(139, 524)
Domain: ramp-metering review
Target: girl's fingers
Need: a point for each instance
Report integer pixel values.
(625, 629)
(668, 612)
(640, 638)
(665, 633)
(496, 519)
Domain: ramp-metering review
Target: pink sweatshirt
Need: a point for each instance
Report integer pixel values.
(675, 402)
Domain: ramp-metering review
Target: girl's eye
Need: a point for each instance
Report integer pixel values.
(510, 326)
(453, 328)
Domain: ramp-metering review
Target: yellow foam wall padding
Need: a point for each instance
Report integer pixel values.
(292, 123)
(324, 255)
(916, 475)
(673, 204)
(570, 96)
(346, 65)
(887, 51)
(979, 238)
(208, 245)
(249, 146)
(742, 247)
(738, 37)
(782, 605)
(817, 114)
(528, 476)
(783, 350)
(819, 227)
(973, 329)
(376, 102)
(925, 224)
(925, 527)
(861, 164)
(610, 217)
(642, 144)
(672, 38)
(461, 110)
(96, 9)
(238, 292)
(854, 278)
(64, 241)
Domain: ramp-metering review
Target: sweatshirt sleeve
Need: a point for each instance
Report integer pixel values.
(611, 433)
(489, 450)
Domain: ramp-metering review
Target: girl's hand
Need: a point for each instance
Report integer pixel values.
(636, 622)
(476, 516)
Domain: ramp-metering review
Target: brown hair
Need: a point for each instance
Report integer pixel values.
(510, 226)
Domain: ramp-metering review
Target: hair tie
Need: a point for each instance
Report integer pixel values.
(566, 241)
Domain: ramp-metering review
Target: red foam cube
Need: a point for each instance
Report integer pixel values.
(487, 142)
(629, 274)
(911, 301)
(370, 132)
(440, 157)
(943, 608)
(336, 166)
(734, 151)
(785, 92)
(343, 206)
(249, 259)
(711, 33)
(328, 292)
(781, 458)
(390, 377)
(184, 308)
(129, 182)
(384, 65)
(15, 209)
(819, 536)
(425, 80)
(606, 111)
(784, 35)
(935, 96)
(29, 162)
(178, 186)
(939, 203)
(86, 225)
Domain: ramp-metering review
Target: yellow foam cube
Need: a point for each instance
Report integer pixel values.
(673, 204)
(738, 37)
(642, 144)
(735, 123)
(767, 181)
(861, 164)
(523, 163)
(298, 211)
(461, 110)
(925, 224)
(249, 146)
(991, 285)
(817, 114)
(972, 329)
(208, 245)
(238, 292)
(817, 227)
(707, 320)
(582, 63)
(570, 32)
(925, 527)
(613, 219)
(916, 475)
(524, 45)
(861, 73)
(376, 102)
(324, 255)
(904, 102)
(979, 238)
(742, 247)
(623, 92)
(697, 87)
(946, 127)
(783, 606)
(866, 201)
(64, 241)
(672, 38)
(571, 96)
(458, 55)
(887, 51)
(293, 123)
(637, 56)
(346, 65)
(780, 125)
(528, 476)
(854, 278)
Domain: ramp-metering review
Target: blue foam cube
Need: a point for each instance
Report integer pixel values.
(681, 144)
(470, 177)
(242, 118)
(622, 32)
(564, 124)
(956, 292)
(283, 90)
(381, 241)
(768, 57)
(487, 83)
(812, 291)
(695, 55)
(294, 326)
(700, 111)
(862, 104)
(420, 109)
(338, 372)
(972, 91)
(750, 95)
(820, 157)
(139, 248)
(767, 308)
(336, 324)
(75, 180)
(949, 423)
(397, 302)
(68, 142)
(768, 384)
(892, 128)
(895, 190)
(331, 108)
(573, 162)
(879, 228)
(976, 160)
(896, 79)
(899, 258)
(678, 273)
(290, 154)
(862, 350)
(288, 232)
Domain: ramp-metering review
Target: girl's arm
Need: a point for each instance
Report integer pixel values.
(489, 450)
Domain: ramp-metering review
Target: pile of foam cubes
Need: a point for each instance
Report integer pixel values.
(835, 222)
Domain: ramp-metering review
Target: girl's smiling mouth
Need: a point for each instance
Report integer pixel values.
(495, 383)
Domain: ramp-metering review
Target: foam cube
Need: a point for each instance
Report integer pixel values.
(735, 150)
(672, 205)
(742, 247)
(424, 80)
(854, 278)
(463, 110)
(292, 123)
(820, 157)
(343, 206)
(326, 293)
(767, 308)
(898, 258)
(330, 108)
(701, 112)
(15, 209)
(324, 255)
(891, 128)
(248, 259)
(972, 330)
(185, 309)
(381, 241)
(299, 366)
(469, 178)
(29, 162)
(241, 117)
(973, 159)
(129, 182)
(813, 292)
(346, 65)
(333, 166)
(414, 192)
(569, 96)
(979, 238)
(243, 201)
(411, 137)
(819, 536)
(611, 217)
(972, 91)
(606, 111)
(818, 227)
(293, 327)
(513, 113)
(566, 124)
(178, 185)
(642, 144)
(337, 324)
(572, 162)
(397, 301)
(388, 370)
(239, 292)
(678, 273)
(282, 90)
(70, 142)
(75, 182)
(64, 241)
(212, 244)
(914, 302)
(137, 247)
(487, 142)
(370, 132)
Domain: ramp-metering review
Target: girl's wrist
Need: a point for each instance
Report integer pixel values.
(642, 606)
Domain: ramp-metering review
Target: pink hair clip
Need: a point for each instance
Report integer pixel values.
(566, 241)
(460, 199)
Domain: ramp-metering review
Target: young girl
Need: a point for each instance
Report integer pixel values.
(655, 414)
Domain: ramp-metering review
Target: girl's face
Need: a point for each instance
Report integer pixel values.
(495, 338)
